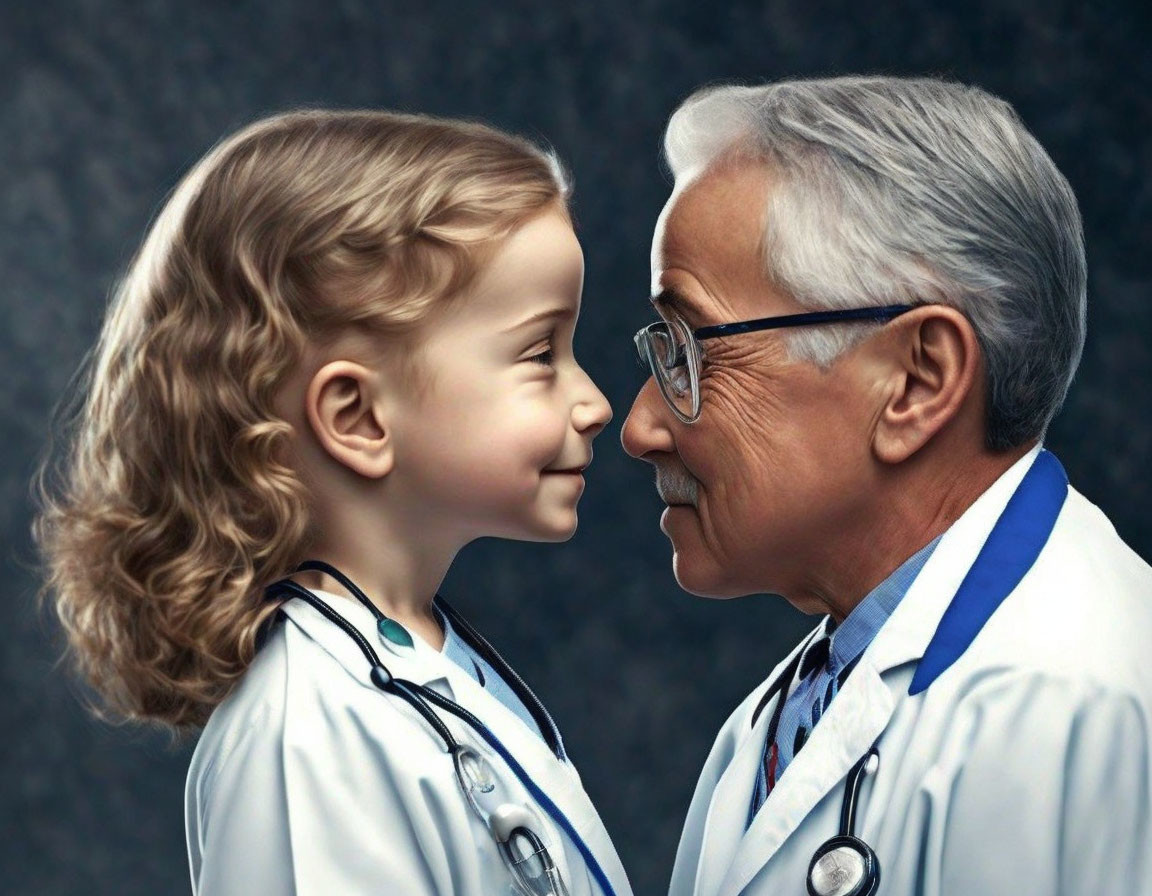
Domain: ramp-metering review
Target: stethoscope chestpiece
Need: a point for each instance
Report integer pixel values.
(844, 866)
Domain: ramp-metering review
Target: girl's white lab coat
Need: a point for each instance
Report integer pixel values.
(1023, 770)
(310, 780)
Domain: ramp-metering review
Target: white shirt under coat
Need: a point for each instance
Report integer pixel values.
(307, 779)
(1024, 769)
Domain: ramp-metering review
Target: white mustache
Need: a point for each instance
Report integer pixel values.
(675, 486)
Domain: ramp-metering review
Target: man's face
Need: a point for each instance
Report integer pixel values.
(777, 463)
(492, 447)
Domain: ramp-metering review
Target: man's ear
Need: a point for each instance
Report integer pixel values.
(347, 414)
(932, 364)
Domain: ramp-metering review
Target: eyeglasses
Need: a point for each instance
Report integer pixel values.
(671, 350)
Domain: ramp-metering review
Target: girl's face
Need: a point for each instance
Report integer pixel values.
(493, 445)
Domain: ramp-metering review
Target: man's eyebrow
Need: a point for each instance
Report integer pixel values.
(559, 313)
(674, 300)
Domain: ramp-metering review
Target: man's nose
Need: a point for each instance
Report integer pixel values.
(646, 428)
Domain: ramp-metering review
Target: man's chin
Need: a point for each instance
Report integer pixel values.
(703, 579)
(699, 574)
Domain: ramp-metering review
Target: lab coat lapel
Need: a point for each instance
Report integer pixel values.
(850, 726)
(862, 708)
(557, 779)
(728, 809)
(906, 634)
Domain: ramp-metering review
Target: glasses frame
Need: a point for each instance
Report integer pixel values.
(692, 354)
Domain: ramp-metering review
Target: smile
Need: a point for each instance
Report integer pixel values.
(573, 471)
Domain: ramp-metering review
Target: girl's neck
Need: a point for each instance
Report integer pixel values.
(415, 615)
(399, 575)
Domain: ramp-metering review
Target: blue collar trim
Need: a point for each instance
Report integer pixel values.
(1009, 552)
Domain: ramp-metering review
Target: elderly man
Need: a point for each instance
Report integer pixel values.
(872, 303)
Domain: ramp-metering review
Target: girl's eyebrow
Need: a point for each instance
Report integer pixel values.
(561, 313)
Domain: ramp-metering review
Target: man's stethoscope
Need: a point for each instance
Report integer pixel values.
(845, 865)
(532, 868)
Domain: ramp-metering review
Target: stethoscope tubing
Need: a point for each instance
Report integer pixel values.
(478, 642)
(852, 796)
(419, 696)
(780, 690)
(406, 690)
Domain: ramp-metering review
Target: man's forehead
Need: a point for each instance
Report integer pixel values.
(728, 183)
(714, 223)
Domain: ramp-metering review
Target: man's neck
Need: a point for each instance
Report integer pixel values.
(914, 504)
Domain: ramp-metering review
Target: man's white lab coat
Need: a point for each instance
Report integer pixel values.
(1023, 770)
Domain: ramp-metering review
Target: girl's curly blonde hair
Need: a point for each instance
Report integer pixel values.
(170, 507)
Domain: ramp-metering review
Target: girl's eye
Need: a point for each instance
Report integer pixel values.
(545, 358)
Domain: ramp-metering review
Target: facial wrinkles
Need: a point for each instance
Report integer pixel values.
(740, 383)
(734, 439)
(715, 545)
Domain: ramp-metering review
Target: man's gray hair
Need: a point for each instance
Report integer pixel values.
(891, 190)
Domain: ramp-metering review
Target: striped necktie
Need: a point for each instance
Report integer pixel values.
(815, 657)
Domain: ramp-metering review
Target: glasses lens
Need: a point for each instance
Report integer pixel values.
(671, 354)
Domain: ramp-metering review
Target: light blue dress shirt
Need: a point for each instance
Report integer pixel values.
(808, 698)
(457, 650)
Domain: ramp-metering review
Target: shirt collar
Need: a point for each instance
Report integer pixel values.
(855, 633)
(454, 647)
(907, 633)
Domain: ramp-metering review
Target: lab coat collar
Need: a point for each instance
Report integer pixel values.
(906, 634)
(420, 663)
(854, 720)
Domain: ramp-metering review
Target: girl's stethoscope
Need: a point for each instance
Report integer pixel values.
(532, 868)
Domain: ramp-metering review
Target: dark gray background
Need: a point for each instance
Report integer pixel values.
(104, 105)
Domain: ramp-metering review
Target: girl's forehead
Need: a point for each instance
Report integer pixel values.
(537, 271)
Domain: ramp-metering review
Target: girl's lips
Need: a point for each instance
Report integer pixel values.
(571, 470)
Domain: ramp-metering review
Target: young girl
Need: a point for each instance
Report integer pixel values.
(346, 340)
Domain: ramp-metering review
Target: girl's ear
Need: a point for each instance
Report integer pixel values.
(347, 413)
